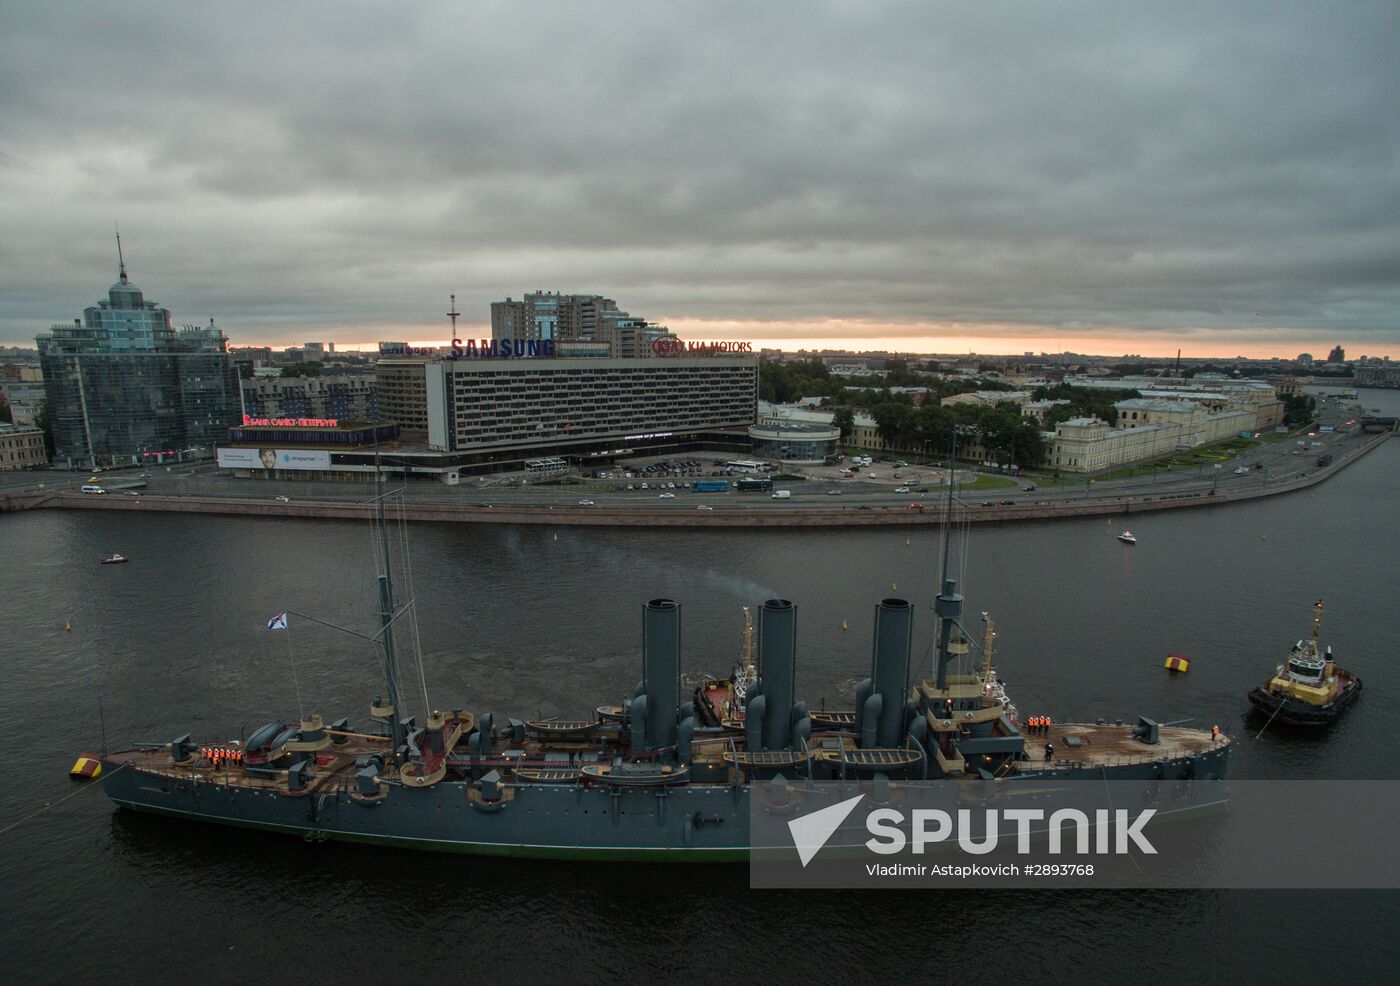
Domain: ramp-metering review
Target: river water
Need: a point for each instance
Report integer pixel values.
(527, 621)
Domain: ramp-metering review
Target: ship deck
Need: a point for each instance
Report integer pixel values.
(1077, 746)
(1114, 746)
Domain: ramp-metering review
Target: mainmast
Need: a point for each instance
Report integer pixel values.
(386, 609)
(948, 605)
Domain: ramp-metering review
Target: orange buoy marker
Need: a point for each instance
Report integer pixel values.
(1177, 662)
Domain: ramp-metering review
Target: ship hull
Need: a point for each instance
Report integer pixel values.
(685, 823)
(1295, 713)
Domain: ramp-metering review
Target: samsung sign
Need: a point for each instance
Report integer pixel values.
(478, 349)
(503, 349)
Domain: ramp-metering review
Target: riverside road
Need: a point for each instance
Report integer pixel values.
(1270, 467)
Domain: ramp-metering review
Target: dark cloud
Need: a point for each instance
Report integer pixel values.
(317, 167)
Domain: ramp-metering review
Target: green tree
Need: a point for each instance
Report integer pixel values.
(41, 421)
(309, 369)
(845, 420)
(894, 423)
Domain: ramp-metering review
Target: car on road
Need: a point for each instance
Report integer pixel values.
(668, 496)
(131, 493)
(901, 489)
(284, 499)
(585, 503)
(1028, 488)
(704, 506)
(833, 492)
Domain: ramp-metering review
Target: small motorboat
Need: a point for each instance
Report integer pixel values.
(115, 559)
(1127, 537)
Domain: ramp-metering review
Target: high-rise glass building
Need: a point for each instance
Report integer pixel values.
(125, 386)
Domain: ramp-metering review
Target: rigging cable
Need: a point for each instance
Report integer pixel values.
(54, 804)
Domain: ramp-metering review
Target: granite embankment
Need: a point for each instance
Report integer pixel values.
(784, 515)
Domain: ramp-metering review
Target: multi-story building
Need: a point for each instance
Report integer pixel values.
(1198, 425)
(544, 316)
(403, 393)
(1037, 410)
(342, 396)
(1378, 375)
(1090, 445)
(125, 386)
(487, 404)
(989, 398)
(21, 447)
(25, 397)
(1337, 355)
(1146, 429)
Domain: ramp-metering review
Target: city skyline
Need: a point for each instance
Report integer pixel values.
(921, 178)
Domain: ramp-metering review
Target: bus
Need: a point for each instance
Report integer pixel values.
(710, 485)
(743, 465)
(753, 485)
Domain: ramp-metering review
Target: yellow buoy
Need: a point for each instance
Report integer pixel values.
(893, 587)
(843, 625)
(68, 625)
(1177, 662)
(86, 768)
(556, 535)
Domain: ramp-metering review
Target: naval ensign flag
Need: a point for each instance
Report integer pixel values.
(278, 622)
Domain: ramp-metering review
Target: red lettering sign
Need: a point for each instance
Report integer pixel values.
(290, 422)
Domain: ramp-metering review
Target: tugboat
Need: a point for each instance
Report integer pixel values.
(114, 559)
(1310, 690)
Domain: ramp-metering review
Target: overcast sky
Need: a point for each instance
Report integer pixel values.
(1050, 175)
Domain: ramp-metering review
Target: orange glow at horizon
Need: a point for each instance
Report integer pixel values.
(1253, 342)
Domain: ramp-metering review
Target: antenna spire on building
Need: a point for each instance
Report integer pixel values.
(453, 315)
(121, 261)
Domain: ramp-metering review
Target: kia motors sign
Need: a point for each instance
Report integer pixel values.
(671, 346)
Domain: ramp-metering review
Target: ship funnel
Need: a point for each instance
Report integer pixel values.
(661, 669)
(894, 628)
(777, 647)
